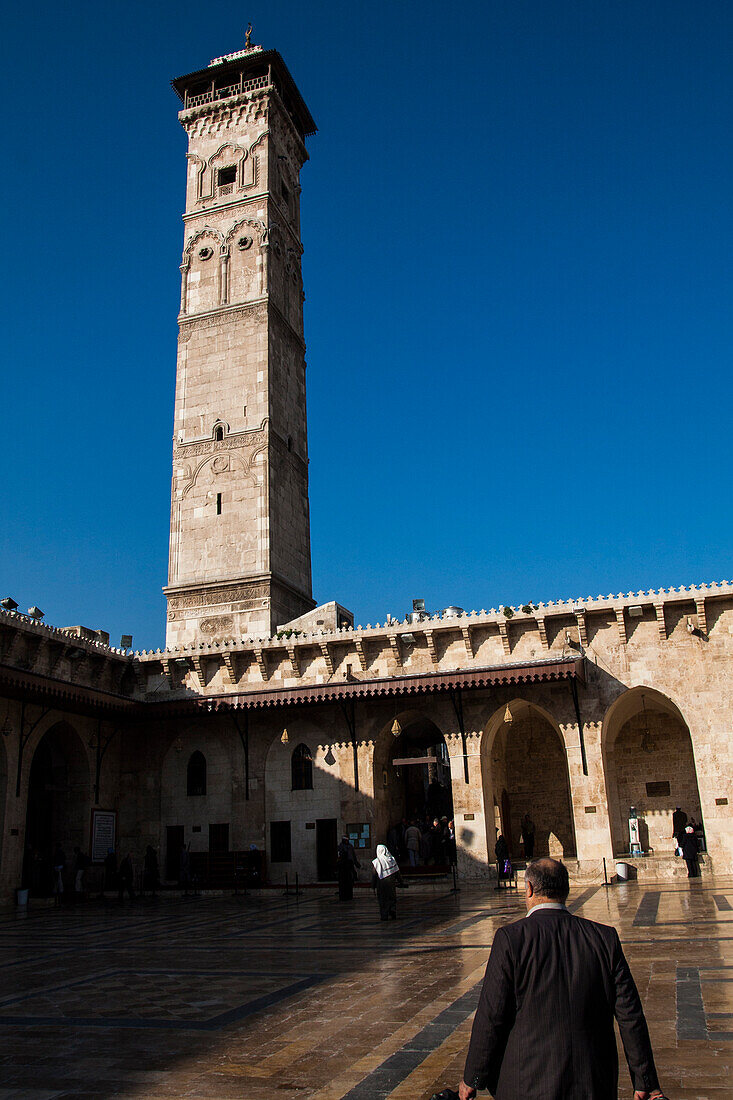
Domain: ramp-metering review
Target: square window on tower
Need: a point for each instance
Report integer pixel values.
(227, 175)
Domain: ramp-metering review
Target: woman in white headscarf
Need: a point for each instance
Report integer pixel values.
(385, 877)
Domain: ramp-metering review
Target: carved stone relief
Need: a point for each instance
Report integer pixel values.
(217, 624)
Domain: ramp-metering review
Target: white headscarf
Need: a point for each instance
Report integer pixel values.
(385, 864)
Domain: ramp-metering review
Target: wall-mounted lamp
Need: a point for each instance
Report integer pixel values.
(9, 604)
(35, 612)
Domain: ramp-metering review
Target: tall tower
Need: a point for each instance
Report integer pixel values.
(240, 529)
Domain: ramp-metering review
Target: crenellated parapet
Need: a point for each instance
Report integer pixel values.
(611, 625)
(32, 652)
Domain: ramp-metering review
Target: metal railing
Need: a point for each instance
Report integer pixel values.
(215, 94)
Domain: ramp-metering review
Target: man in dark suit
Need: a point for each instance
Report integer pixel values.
(544, 1023)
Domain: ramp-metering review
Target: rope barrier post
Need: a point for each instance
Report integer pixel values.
(456, 888)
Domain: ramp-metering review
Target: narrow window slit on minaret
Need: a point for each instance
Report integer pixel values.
(218, 504)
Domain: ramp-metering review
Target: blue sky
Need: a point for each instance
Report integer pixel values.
(517, 223)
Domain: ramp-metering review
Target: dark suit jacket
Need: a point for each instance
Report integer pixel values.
(544, 1024)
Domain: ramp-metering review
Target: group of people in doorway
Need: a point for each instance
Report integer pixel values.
(423, 842)
(110, 876)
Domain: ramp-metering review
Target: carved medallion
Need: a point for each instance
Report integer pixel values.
(206, 253)
(244, 243)
(217, 624)
(220, 465)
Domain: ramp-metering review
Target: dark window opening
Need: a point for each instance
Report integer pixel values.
(244, 410)
(227, 175)
(219, 838)
(659, 789)
(280, 842)
(196, 774)
(218, 504)
(290, 442)
(218, 433)
(302, 769)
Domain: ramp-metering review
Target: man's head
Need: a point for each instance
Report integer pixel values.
(545, 880)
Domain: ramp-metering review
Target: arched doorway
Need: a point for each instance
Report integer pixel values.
(58, 805)
(649, 765)
(412, 782)
(524, 771)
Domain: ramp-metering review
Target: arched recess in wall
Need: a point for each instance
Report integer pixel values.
(415, 789)
(202, 275)
(524, 770)
(649, 764)
(59, 805)
(302, 826)
(244, 241)
(188, 818)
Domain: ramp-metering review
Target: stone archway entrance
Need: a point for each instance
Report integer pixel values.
(412, 780)
(524, 771)
(58, 805)
(649, 765)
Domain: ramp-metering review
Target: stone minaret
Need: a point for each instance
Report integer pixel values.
(240, 529)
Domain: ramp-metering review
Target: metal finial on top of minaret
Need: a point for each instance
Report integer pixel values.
(247, 36)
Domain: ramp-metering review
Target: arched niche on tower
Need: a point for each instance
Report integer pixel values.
(244, 242)
(202, 272)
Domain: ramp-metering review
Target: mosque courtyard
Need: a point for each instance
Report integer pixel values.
(261, 996)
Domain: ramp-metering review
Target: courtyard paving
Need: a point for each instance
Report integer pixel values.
(257, 997)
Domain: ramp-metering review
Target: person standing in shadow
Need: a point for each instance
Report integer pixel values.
(125, 877)
(690, 852)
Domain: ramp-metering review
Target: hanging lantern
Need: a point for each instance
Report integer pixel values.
(284, 738)
(396, 728)
(508, 716)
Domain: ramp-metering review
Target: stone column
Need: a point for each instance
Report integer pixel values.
(588, 796)
(184, 285)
